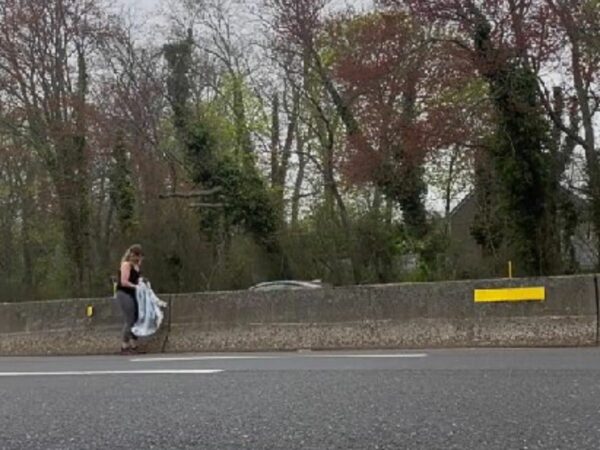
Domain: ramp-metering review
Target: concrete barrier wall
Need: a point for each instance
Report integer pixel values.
(366, 317)
(62, 327)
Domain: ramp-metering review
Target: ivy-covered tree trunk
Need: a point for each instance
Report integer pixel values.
(69, 170)
(244, 148)
(241, 196)
(517, 152)
(489, 225)
(122, 190)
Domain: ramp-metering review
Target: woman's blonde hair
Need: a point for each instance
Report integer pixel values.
(133, 251)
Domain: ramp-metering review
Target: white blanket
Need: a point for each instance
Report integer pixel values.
(150, 315)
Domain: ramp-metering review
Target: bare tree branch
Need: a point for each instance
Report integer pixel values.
(192, 194)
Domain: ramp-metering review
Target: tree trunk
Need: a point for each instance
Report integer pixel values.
(518, 154)
(244, 142)
(280, 157)
(302, 160)
(587, 120)
(275, 132)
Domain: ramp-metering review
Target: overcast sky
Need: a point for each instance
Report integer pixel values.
(142, 5)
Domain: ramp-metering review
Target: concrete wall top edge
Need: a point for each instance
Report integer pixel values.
(475, 284)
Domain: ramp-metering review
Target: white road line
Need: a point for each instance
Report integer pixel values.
(305, 355)
(109, 372)
(202, 358)
(407, 355)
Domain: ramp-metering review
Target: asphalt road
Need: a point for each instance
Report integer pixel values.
(455, 399)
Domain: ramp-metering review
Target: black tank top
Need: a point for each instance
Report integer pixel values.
(134, 277)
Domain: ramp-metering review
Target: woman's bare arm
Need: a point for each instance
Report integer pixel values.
(125, 272)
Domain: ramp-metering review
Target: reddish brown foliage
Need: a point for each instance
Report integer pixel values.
(519, 28)
(401, 84)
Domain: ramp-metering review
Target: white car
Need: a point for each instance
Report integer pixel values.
(288, 285)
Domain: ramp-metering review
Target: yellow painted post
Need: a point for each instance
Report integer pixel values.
(510, 270)
(89, 311)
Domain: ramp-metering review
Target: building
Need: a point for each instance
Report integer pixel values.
(468, 259)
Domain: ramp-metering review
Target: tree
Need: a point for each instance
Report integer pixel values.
(400, 176)
(44, 53)
(233, 176)
(281, 154)
(519, 150)
(122, 192)
(577, 22)
(404, 92)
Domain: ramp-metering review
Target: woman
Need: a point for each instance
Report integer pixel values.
(129, 275)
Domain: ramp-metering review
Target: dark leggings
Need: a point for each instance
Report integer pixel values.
(129, 308)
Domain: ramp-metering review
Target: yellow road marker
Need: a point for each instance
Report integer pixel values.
(527, 294)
